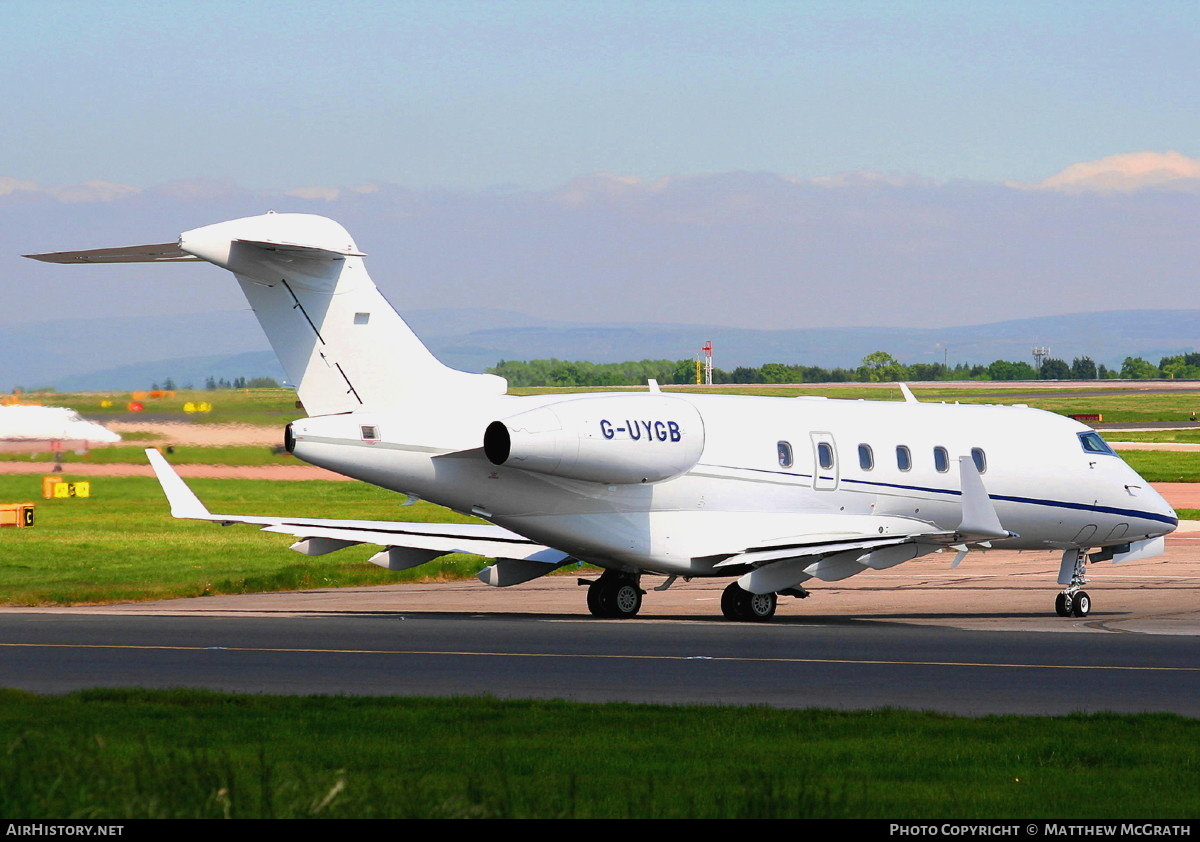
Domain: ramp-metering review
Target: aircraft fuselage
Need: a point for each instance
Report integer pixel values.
(769, 466)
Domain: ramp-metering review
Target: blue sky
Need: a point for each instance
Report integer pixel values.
(486, 95)
(754, 164)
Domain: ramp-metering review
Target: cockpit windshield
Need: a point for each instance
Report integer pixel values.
(1093, 443)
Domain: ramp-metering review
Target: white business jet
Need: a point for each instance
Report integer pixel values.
(26, 428)
(772, 491)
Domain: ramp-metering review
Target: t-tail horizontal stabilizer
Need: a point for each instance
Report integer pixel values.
(156, 253)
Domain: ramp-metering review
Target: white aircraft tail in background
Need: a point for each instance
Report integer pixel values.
(772, 491)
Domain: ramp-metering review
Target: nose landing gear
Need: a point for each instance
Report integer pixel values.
(1074, 601)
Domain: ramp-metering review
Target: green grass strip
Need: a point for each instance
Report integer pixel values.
(1164, 465)
(122, 544)
(241, 455)
(1179, 435)
(188, 754)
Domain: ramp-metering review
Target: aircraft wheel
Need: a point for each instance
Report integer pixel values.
(626, 599)
(595, 601)
(1081, 605)
(731, 602)
(741, 606)
(761, 607)
(620, 598)
(1060, 606)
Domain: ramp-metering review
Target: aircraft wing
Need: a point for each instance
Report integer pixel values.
(788, 549)
(786, 562)
(406, 544)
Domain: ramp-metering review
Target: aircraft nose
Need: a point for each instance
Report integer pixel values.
(1161, 511)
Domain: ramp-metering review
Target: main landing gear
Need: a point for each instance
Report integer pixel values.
(1074, 601)
(741, 605)
(614, 595)
(618, 595)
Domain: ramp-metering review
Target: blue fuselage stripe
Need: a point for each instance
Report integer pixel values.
(1032, 501)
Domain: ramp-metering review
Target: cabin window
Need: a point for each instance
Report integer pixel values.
(370, 433)
(1093, 443)
(362, 318)
(980, 459)
(903, 458)
(785, 454)
(941, 459)
(866, 457)
(825, 455)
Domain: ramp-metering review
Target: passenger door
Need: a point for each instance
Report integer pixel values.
(825, 462)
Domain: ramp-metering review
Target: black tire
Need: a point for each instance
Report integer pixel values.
(595, 599)
(619, 598)
(1060, 606)
(1081, 604)
(732, 603)
(742, 606)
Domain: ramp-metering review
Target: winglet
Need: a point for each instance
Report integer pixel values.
(979, 518)
(184, 502)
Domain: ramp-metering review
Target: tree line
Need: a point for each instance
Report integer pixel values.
(876, 367)
(241, 383)
(212, 384)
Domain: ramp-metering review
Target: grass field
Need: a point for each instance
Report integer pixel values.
(1181, 436)
(239, 455)
(1164, 465)
(275, 407)
(121, 543)
(265, 407)
(182, 754)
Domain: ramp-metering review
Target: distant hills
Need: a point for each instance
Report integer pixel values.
(129, 353)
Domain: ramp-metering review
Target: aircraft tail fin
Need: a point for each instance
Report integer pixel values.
(340, 342)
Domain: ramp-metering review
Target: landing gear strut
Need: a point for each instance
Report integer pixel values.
(1074, 601)
(615, 595)
(741, 605)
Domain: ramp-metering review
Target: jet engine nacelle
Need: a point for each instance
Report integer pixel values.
(621, 439)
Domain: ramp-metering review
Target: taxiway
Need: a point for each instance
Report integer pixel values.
(980, 639)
